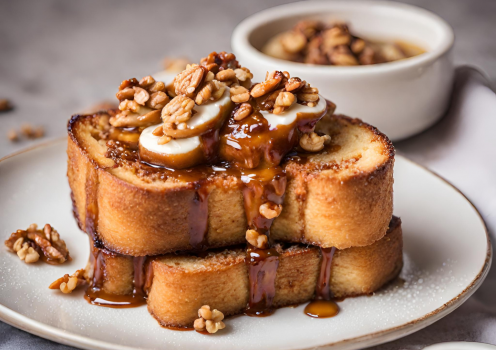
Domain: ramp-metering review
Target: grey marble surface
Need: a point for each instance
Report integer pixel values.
(58, 57)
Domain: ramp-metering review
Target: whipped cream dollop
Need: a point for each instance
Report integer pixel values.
(291, 114)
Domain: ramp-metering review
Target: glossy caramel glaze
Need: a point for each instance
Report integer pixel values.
(322, 309)
(249, 150)
(97, 296)
(262, 269)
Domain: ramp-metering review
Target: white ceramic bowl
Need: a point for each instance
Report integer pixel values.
(401, 98)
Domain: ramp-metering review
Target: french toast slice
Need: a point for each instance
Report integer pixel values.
(339, 197)
(178, 285)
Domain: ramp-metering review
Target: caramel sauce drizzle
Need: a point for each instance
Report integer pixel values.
(95, 294)
(323, 306)
(249, 150)
(262, 270)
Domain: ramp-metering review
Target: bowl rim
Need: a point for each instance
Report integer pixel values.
(240, 42)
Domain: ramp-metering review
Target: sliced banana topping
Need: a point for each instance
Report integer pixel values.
(292, 114)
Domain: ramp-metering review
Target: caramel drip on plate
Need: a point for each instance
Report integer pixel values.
(323, 290)
(323, 306)
(95, 293)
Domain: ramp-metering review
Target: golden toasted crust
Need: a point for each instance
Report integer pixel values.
(182, 284)
(340, 197)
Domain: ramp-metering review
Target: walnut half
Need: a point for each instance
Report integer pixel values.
(45, 243)
(209, 320)
(67, 283)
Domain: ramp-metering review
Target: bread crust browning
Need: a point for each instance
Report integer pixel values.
(182, 285)
(330, 201)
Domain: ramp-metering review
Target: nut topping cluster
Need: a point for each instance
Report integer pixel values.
(315, 42)
(31, 244)
(276, 94)
(198, 85)
(209, 320)
(67, 283)
(140, 102)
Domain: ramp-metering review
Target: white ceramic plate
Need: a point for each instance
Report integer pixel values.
(447, 256)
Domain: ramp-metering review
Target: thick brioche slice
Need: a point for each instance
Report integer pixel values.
(178, 285)
(341, 196)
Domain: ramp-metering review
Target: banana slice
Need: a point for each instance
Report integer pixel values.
(176, 154)
(296, 112)
(205, 118)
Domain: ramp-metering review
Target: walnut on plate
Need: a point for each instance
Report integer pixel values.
(67, 283)
(209, 320)
(46, 243)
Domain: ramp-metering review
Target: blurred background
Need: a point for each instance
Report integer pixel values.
(60, 57)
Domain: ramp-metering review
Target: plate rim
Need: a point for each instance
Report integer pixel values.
(61, 336)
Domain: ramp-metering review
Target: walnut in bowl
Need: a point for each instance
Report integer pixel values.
(401, 98)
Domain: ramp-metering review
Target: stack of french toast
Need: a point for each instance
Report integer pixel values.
(213, 190)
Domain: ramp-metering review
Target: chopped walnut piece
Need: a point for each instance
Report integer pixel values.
(256, 239)
(31, 131)
(270, 84)
(13, 135)
(239, 94)
(283, 101)
(293, 84)
(140, 103)
(209, 320)
(244, 110)
(28, 254)
(164, 140)
(367, 56)
(186, 82)
(46, 243)
(210, 91)
(244, 76)
(158, 100)
(308, 95)
(314, 53)
(342, 56)
(200, 325)
(67, 283)
(270, 210)
(227, 76)
(312, 142)
(218, 61)
(293, 41)
(315, 42)
(309, 27)
(141, 95)
(5, 105)
(178, 110)
(335, 36)
(146, 81)
(357, 46)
